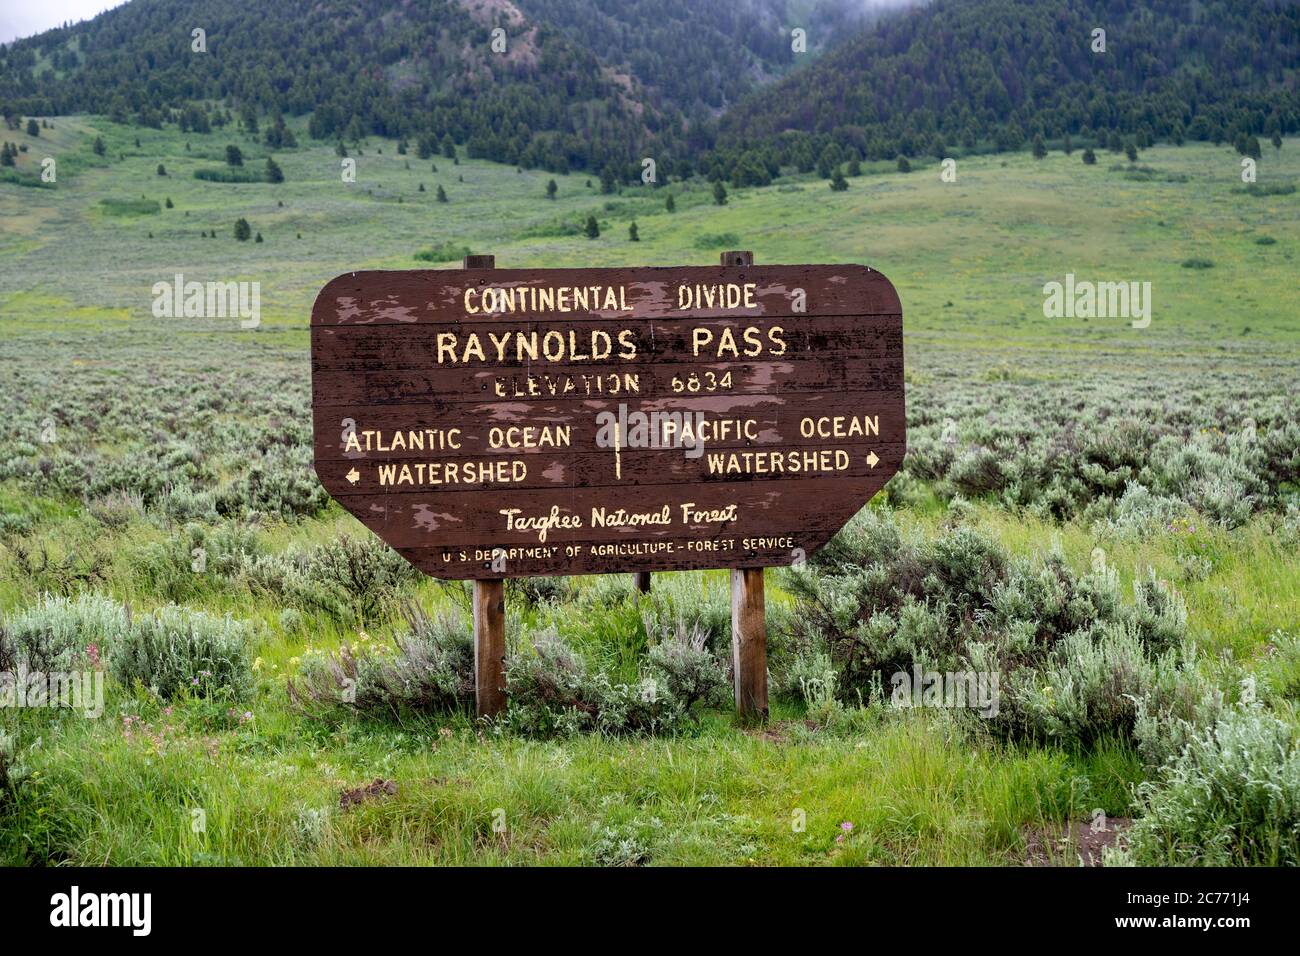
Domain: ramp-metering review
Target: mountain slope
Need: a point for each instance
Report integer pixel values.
(395, 67)
(704, 54)
(980, 72)
(598, 84)
(591, 84)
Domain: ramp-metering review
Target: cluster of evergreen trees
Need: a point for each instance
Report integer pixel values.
(691, 59)
(599, 84)
(359, 67)
(994, 74)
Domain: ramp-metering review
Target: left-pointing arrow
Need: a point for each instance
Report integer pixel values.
(353, 476)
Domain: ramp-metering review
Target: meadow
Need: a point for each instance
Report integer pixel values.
(1108, 516)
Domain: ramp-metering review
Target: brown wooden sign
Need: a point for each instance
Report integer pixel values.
(492, 423)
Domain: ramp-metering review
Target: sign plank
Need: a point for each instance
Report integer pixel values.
(490, 423)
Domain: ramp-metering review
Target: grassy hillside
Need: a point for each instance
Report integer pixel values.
(986, 243)
(1024, 431)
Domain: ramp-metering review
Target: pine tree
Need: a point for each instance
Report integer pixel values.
(1067, 145)
(169, 204)
(838, 182)
(162, 170)
(233, 156)
(855, 167)
(593, 228)
(99, 147)
(259, 238)
(1248, 145)
(442, 194)
(1089, 157)
(632, 233)
(273, 172)
(1040, 148)
(243, 231)
(607, 180)
(421, 189)
(33, 128)
(551, 189)
(670, 204)
(448, 147)
(903, 165)
(719, 193)
(1131, 152)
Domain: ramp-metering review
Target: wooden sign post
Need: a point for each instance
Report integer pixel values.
(489, 612)
(748, 613)
(491, 423)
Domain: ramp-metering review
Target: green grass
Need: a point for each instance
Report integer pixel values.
(270, 795)
(969, 260)
(130, 207)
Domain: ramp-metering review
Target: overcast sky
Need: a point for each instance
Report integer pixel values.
(22, 18)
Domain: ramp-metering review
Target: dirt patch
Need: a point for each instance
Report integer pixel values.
(378, 788)
(625, 87)
(487, 11)
(1076, 844)
(779, 733)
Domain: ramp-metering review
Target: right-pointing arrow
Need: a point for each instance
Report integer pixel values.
(872, 459)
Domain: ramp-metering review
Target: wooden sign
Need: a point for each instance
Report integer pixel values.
(492, 423)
